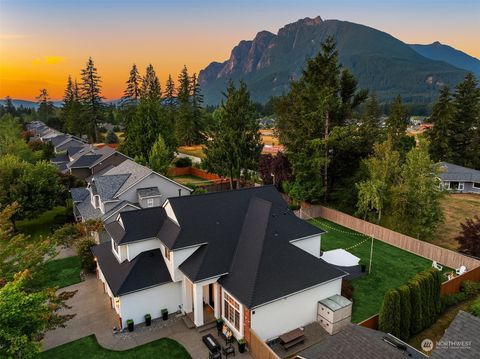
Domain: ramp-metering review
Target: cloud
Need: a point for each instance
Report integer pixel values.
(48, 60)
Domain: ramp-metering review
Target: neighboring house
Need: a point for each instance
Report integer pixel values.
(62, 142)
(126, 186)
(93, 162)
(461, 339)
(243, 253)
(359, 342)
(459, 179)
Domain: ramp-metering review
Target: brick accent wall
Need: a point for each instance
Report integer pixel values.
(246, 324)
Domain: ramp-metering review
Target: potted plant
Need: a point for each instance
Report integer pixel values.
(164, 314)
(219, 323)
(130, 325)
(241, 346)
(148, 320)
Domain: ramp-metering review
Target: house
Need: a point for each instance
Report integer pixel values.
(241, 255)
(459, 179)
(94, 161)
(127, 186)
(358, 342)
(461, 339)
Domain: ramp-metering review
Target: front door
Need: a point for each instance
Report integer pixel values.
(211, 300)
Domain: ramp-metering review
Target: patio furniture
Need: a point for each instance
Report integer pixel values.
(292, 338)
(215, 355)
(211, 343)
(228, 350)
(437, 266)
(226, 334)
(461, 270)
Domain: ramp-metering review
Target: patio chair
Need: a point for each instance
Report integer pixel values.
(461, 270)
(228, 350)
(215, 355)
(437, 266)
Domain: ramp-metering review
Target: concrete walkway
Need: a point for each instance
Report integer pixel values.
(95, 316)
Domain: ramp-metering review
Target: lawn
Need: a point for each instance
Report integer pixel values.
(196, 151)
(88, 347)
(184, 179)
(44, 224)
(436, 331)
(457, 208)
(391, 266)
(60, 273)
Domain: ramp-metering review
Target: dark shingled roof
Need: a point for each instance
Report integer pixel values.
(357, 342)
(85, 161)
(107, 186)
(148, 192)
(146, 270)
(464, 328)
(70, 143)
(74, 149)
(60, 158)
(137, 225)
(58, 139)
(451, 172)
(79, 194)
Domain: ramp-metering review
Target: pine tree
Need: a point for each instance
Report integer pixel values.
(440, 135)
(235, 145)
(131, 95)
(186, 125)
(184, 89)
(169, 98)
(466, 139)
(9, 107)
(45, 106)
(389, 317)
(151, 89)
(91, 98)
(396, 123)
(160, 156)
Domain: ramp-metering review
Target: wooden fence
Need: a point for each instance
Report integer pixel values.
(197, 172)
(259, 349)
(423, 249)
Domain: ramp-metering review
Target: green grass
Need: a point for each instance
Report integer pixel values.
(44, 224)
(60, 273)
(184, 179)
(88, 347)
(391, 266)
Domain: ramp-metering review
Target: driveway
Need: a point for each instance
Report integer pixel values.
(95, 316)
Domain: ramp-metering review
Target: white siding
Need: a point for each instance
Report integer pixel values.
(135, 248)
(121, 254)
(273, 319)
(310, 245)
(178, 257)
(150, 301)
(169, 210)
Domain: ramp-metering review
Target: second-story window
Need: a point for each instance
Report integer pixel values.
(150, 202)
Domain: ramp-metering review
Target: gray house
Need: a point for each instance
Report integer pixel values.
(459, 179)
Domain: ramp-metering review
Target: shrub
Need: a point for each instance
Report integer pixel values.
(406, 311)
(452, 299)
(111, 137)
(475, 308)
(294, 207)
(389, 317)
(183, 162)
(65, 235)
(416, 322)
(84, 252)
(470, 287)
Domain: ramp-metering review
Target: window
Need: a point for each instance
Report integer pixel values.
(115, 246)
(167, 253)
(461, 186)
(231, 310)
(150, 202)
(476, 185)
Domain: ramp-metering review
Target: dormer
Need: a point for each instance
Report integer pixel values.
(149, 197)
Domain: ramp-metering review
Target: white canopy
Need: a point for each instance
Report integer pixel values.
(340, 257)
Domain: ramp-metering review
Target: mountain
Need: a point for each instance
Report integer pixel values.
(29, 104)
(450, 55)
(380, 62)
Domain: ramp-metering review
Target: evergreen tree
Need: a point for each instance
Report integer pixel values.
(169, 98)
(440, 135)
(160, 156)
(111, 137)
(405, 312)
(9, 107)
(234, 146)
(91, 99)
(72, 109)
(389, 317)
(465, 142)
(45, 106)
(131, 95)
(183, 93)
(185, 128)
(397, 122)
(151, 89)
(319, 102)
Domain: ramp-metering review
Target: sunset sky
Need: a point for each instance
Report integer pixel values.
(42, 42)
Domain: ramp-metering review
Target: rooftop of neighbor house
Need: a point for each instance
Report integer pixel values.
(94, 156)
(461, 339)
(358, 342)
(451, 172)
(242, 236)
(136, 173)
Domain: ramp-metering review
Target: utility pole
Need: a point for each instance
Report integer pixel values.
(325, 179)
(371, 254)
